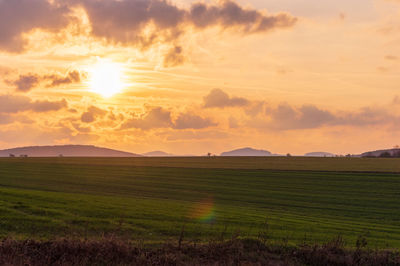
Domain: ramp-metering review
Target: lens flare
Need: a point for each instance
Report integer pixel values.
(204, 211)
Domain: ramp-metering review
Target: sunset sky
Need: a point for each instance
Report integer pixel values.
(191, 77)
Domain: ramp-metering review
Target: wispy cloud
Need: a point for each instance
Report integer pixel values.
(15, 104)
(27, 82)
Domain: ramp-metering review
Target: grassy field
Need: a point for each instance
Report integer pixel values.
(151, 199)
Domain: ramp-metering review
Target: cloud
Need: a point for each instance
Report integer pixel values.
(217, 98)
(26, 82)
(10, 118)
(81, 129)
(92, 113)
(233, 122)
(254, 108)
(5, 119)
(156, 117)
(383, 69)
(174, 57)
(57, 80)
(138, 23)
(391, 57)
(22, 16)
(186, 121)
(15, 104)
(145, 23)
(124, 21)
(46, 106)
(365, 117)
(307, 116)
(195, 135)
(286, 117)
(229, 14)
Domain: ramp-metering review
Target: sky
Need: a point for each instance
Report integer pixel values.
(192, 77)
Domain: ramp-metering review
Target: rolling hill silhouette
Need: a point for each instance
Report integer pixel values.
(66, 151)
(157, 154)
(247, 152)
(319, 154)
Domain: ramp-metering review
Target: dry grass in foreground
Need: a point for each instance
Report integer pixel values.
(234, 252)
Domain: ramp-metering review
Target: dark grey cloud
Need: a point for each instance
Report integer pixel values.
(92, 114)
(16, 103)
(22, 16)
(217, 98)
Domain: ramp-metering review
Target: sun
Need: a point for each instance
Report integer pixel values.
(105, 78)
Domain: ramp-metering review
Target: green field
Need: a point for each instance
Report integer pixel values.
(294, 199)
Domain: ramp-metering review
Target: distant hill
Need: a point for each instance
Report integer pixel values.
(319, 154)
(246, 152)
(157, 154)
(378, 153)
(66, 150)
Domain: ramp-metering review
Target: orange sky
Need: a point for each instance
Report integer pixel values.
(190, 77)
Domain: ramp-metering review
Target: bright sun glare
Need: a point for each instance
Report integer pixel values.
(105, 78)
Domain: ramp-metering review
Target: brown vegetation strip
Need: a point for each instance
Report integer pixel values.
(235, 252)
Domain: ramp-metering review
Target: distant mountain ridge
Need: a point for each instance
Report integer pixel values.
(319, 154)
(65, 150)
(157, 154)
(247, 152)
(378, 153)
